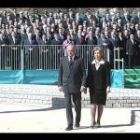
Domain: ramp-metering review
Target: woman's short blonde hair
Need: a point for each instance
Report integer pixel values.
(98, 49)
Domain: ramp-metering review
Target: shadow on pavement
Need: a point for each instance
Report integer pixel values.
(56, 103)
(31, 110)
(55, 106)
(82, 127)
(118, 125)
(132, 121)
(103, 126)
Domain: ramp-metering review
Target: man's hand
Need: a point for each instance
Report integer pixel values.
(83, 89)
(60, 88)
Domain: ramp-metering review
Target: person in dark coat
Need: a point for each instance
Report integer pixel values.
(4, 54)
(137, 39)
(31, 51)
(98, 81)
(57, 51)
(45, 53)
(14, 41)
(131, 51)
(71, 81)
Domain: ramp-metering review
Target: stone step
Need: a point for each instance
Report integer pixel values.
(49, 96)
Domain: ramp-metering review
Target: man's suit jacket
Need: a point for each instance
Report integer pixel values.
(124, 21)
(28, 45)
(91, 42)
(137, 20)
(131, 48)
(114, 42)
(137, 38)
(77, 41)
(15, 45)
(71, 79)
(17, 41)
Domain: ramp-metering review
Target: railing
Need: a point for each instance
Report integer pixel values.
(118, 61)
(17, 57)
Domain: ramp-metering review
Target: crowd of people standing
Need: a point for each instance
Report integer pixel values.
(59, 28)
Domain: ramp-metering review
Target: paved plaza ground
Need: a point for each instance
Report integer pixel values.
(38, 119)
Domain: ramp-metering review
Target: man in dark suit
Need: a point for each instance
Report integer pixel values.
(14, 41)
(137, 18)
(137, 39)
(131, 51)
(56, 50)
(31, 51)
(71, 80)
(126, 18)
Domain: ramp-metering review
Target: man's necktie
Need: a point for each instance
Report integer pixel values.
(80, 39)
(70, 62)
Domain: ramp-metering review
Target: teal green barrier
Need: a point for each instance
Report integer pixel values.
(132, 78)
(11, 77)
(46, 77)
(117, 78)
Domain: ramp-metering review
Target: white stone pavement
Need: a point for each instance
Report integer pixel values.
(19, 118)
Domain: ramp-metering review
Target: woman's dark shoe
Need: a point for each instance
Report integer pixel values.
(93, 125)
(97, 125)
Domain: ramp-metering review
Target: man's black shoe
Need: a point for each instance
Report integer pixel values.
(69, 128)
(76, 125)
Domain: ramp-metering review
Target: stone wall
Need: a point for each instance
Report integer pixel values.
(49, 96)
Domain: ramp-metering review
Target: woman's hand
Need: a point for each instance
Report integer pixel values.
(108, 90)
(60, 88)
(83, 89)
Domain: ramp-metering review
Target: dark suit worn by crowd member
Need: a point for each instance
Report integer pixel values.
(71, 78)
(131, 50)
